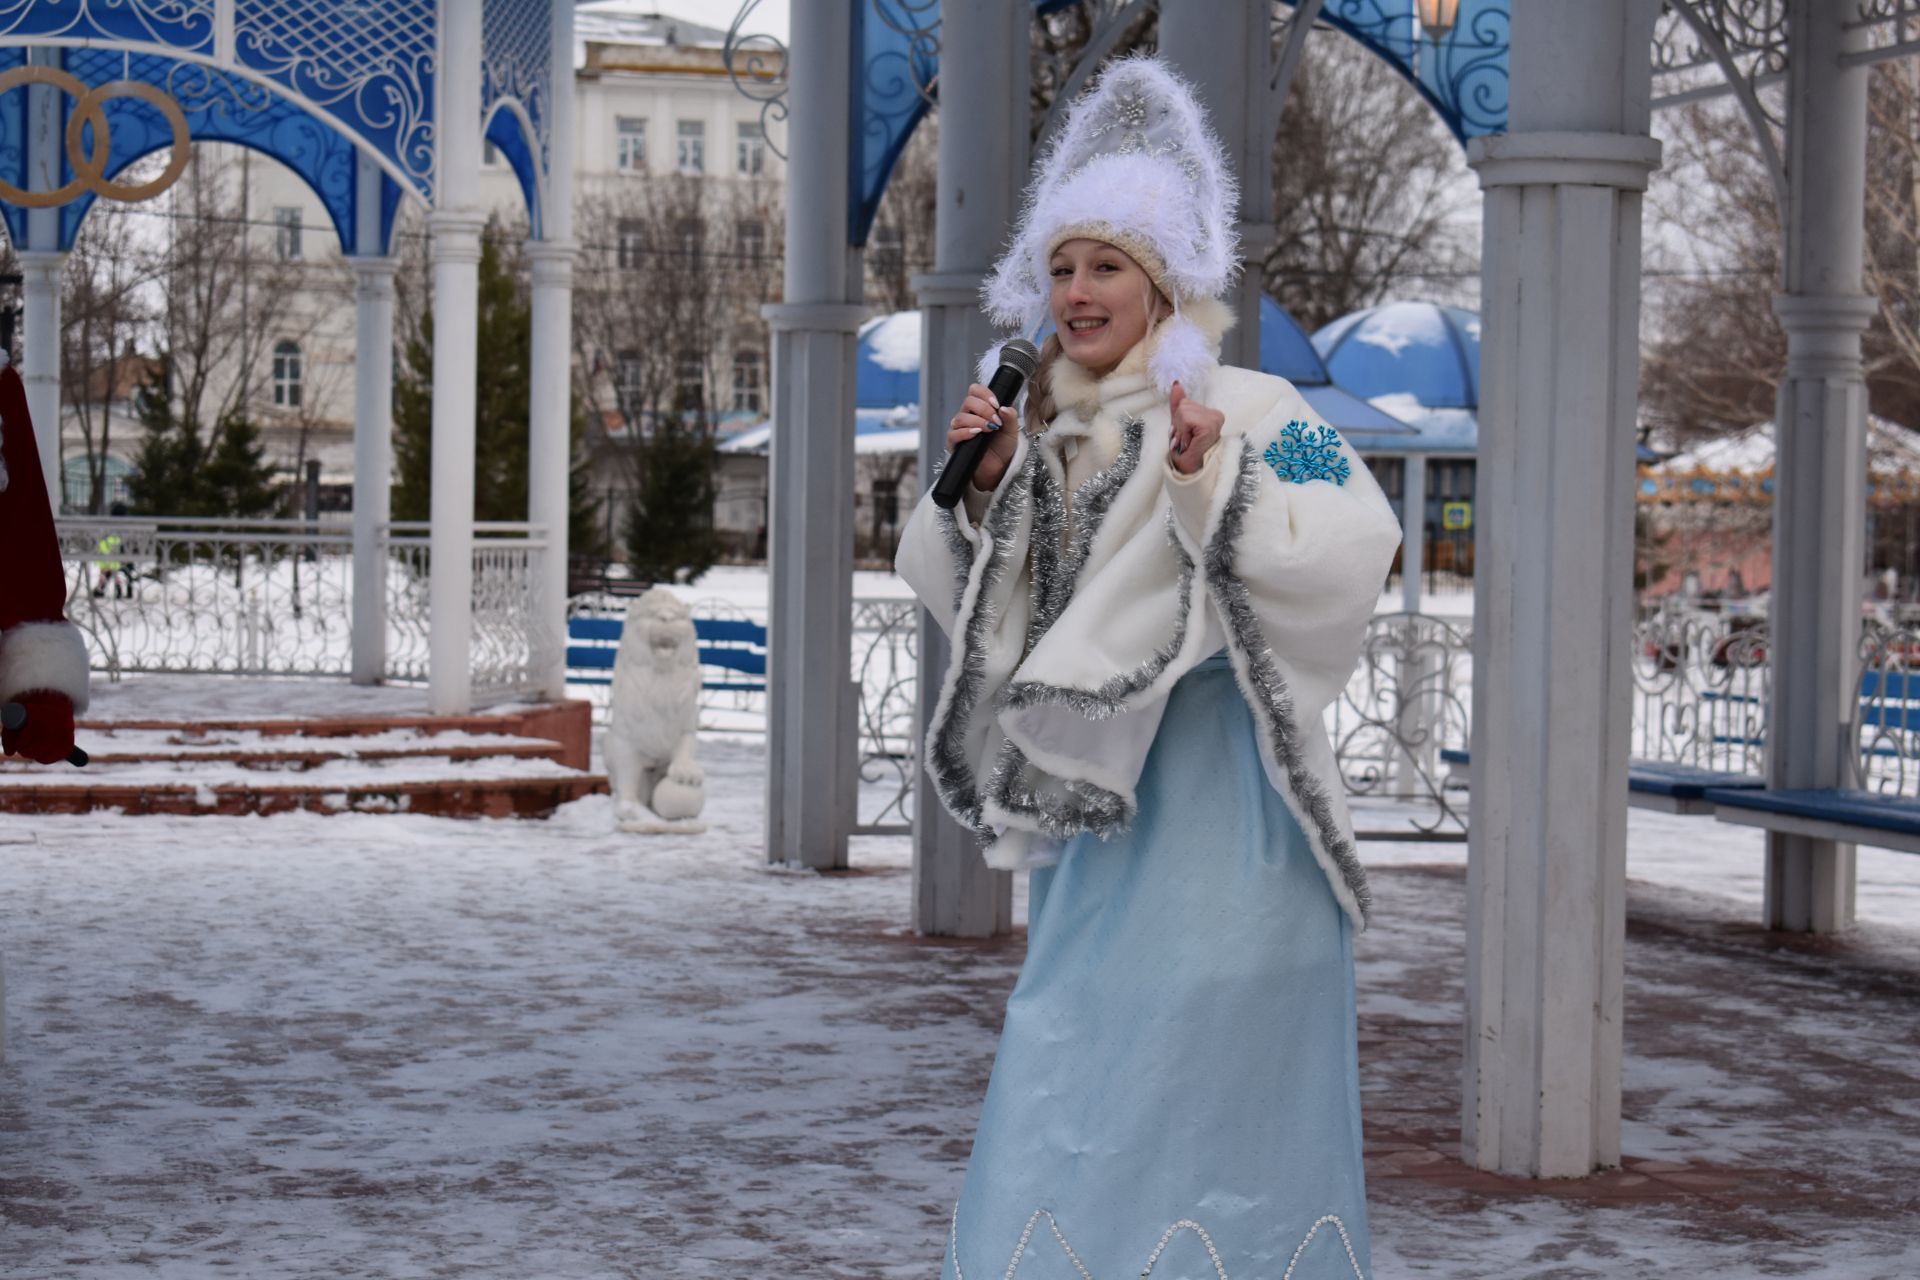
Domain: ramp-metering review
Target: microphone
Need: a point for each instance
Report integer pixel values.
(1018, 359)
(13, 715)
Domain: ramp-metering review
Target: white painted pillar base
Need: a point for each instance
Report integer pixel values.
(955, 893)
(812, 753)
(40, 359)
(1553, 617)
(456, 309)
(372, 462)
(1819, 501)
(550, 453)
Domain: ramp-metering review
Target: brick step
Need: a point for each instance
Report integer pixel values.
(123, 745)
(496, 797)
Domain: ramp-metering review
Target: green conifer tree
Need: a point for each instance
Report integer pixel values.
(182, 470)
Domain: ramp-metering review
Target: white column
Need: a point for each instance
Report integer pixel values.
(811, 737)
(1553, 590)
(1819, 499)
(40, 358)
(455, 226)
(1413, 529)
(550, 450)
(372, 461)
(982, 168)
(1224, 47)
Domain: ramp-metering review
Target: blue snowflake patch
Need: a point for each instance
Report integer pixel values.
(1304, 453)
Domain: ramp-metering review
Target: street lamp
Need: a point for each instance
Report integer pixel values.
(1437, 17)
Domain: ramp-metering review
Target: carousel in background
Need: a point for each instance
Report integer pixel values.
(1704, 531)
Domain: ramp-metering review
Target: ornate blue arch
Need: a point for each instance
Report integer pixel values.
(896, 48)
(516, 79)
(367, 67)
(218, 106)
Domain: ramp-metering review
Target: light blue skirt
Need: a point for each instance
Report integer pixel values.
(1177, 1094)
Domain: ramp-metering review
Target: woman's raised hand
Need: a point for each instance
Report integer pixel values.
(1196, 428)
(980, 412)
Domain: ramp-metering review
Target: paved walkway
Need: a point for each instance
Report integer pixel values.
(387, 1046)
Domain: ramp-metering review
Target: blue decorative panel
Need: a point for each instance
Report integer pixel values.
(185, 25)
(222, 107)
(1464, 74)
(896, 53)
(370, 64)
(13, 146)
(517, 67)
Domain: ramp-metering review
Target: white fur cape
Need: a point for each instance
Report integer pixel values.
(1067, 642)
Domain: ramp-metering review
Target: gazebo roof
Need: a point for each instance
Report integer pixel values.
(1418, 361)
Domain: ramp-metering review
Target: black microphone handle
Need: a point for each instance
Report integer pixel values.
(965, 459)
(78, 758)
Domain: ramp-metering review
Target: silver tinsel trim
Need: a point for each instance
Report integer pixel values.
(1272, 699)
(1110, 698)
(1076, 806)
(947, 761)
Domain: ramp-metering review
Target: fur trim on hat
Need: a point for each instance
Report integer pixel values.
(1135, 165)
(46, 657)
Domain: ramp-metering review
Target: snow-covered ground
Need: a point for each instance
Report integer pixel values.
(389, 1046)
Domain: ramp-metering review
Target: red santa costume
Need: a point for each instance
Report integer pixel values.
(43, 658)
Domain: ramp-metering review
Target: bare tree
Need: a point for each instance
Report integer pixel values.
(1371, 194)
(107, 314)
(900, 245)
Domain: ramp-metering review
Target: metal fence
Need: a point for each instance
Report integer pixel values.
(275, 598)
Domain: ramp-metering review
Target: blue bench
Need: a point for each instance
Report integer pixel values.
(1864, 817)
(733, 652)
(1665, 788)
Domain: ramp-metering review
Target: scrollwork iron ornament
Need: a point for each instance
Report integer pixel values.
(1745, 43)
(1463, 75)
(1407, 699)
(757, 66)
(918, 24)
(89, 163)
(1702, 686)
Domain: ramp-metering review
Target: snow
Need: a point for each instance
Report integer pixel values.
(392, 1046)
(894, 341)
(236, 698)
(1891, 449)
(1450, 426)
(1397, 326)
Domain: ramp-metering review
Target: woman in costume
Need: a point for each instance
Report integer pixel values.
(1153, 592)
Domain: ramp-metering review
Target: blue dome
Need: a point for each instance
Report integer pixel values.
(1427, 353)
(1285, 350)
(887, 369)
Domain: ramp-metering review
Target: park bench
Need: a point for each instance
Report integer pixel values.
(1825, 813)
(1656, 785)
(733, 652)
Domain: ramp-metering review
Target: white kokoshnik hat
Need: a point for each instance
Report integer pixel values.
(1136, 165)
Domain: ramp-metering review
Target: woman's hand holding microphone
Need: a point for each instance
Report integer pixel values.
(980, 412)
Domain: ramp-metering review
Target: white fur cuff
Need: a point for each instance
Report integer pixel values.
(50, 656)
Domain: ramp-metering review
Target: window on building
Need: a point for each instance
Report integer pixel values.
(628, 378)
(629, 242)
(747, 396)
(286, 234)
(630, 144)
(750, 240)
(692, 137)
(751, 158)
(286, 375)
(689, 380)
(688, 236)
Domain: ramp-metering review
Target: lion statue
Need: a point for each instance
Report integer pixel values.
(650, 730)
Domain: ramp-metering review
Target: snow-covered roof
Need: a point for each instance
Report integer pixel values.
(640, 22)
(1891, 449)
